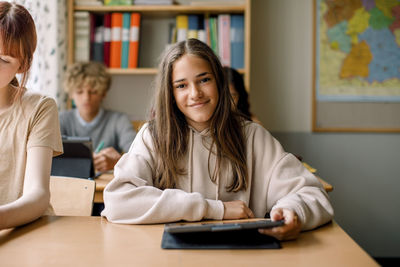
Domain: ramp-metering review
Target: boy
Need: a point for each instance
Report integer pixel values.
(87, 84)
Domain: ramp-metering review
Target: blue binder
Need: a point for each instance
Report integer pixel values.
(237, 41)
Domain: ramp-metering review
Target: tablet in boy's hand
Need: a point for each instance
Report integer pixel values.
(212, 226)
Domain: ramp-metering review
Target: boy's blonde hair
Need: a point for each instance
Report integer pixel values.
(92, 74)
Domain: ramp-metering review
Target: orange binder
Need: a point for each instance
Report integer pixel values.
(134, 40)
(116, 40)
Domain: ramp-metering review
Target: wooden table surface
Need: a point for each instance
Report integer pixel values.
(93, 241)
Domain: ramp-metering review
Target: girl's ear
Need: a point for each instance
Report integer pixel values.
(21, 69)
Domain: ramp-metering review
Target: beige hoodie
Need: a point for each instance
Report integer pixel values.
(276, 180)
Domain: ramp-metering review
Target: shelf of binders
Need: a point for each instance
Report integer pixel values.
(155, 11)
(172, 9)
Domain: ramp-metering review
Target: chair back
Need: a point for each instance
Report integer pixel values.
(71, 196)
(137, 124)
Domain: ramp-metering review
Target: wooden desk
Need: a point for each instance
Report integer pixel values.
(328, 187)
(104, 179)
(93, 241)
(101, 183)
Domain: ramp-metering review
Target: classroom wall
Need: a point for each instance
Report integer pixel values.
(132, 95)
(363, 167)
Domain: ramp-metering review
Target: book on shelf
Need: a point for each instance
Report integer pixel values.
(214, 34)
(107, 39)
(126, 24)
(92, 21)
(118, 2)
(237, 41)
(82, 36)
(116, 40)
(172, 33)
(201, 32)
(134, 40)
(207, 30)
(98, 46)
(224, 41)
(181, 27)
(193, 26)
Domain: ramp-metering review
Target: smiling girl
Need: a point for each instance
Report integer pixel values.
(199, 159)
(29, 128)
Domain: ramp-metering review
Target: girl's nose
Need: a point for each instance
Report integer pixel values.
(195, 91)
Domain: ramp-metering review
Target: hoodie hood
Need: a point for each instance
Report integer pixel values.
(206, 138)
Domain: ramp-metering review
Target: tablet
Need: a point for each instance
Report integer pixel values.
(77, 160)
(212, 226)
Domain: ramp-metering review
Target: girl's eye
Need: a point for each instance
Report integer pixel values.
(3, 60)
(204, 80)
(180, 86)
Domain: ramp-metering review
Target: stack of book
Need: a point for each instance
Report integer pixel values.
(153, 2)
(118, 2)
(224, 33)
(110, 38)
(88, 2)
(82, 33)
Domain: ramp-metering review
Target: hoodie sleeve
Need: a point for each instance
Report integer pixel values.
(293, 187)
(131, 198)
(288, 183)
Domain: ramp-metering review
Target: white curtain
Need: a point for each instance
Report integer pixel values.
(50, 59)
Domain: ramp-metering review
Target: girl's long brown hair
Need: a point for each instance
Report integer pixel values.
(169, 128)
(18, 35)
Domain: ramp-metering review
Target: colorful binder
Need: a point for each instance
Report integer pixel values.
(116, 40)
(107, 39)
(126, 24)
(224, 40)
(98, 46)
(193, 26)
(134, 40)
(237, 41)
(214, 34)
(201, 32)
(181, 27)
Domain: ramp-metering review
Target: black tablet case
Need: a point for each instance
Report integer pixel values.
(243, 239)
(76, 161)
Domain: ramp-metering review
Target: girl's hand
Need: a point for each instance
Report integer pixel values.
(290, 230)
(236, 210)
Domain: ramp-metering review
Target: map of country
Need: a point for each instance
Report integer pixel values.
(359, 48)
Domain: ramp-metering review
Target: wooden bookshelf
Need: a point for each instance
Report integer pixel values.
(167, 10)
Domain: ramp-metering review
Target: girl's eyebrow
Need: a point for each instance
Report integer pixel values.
(202, 74)
(178, 81)
(197, 76)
